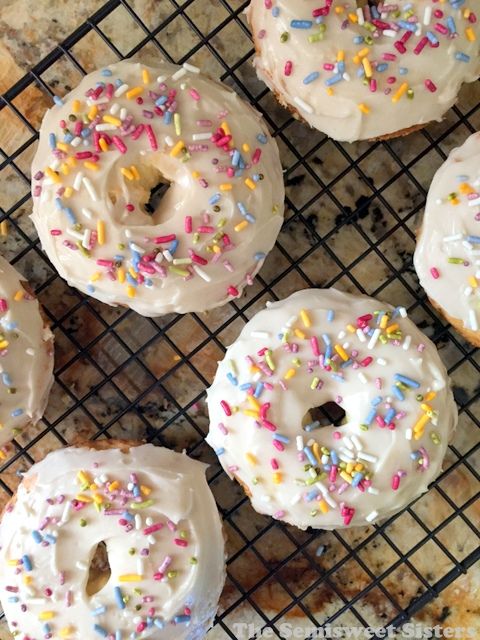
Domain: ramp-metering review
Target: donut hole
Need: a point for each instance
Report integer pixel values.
(156, 194)
(327, 414)
(99, 571)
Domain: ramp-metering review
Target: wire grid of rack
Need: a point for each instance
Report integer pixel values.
(316, 170)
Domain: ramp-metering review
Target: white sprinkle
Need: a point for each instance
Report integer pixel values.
(468, 291)
(361, 335)
(167, 255)
(303, 105)
(260, 334)
(266, 499)
(472, 318)
(406, 343)
(87, 213)
(83, 566)
(390, 33)
(408, 434)
(322, 487)
(341, 335)
(75, 234)
(427, 15)
(381, 361)
(403, 312)
(296, 499)
(363, 378)
(374, 338)
(106, 126)
(179, 74)
(291, 321)
(299, 441)
(30, 351)
(373, 491)
(371, 516)
(468, 246)
(138, 524)
(76, 141)
(87, 234)
(367, 456)
(121, 90)
(123, 113)
(77, 183)
(346, 453)
(55, 164)
(330, 501)
(169, 141)
(201, 136)
(454, 238)
(360, 16)
(140, 566)
(161, 79)
(201, 273)
(190, 67)
(135, 247)
(151, 539)
(348, 443)
(115, 108)
(66, 512)
(89, 187)
(356, 442)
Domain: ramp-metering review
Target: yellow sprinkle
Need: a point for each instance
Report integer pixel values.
(339, 9)
(130, 577)
(350, 467)
(393, 327)
(134, 171)
(363, 108)
(400, 91)
(97, 498)
(145, 490)
(64, 168)
(133, 273)
(216, 249)
(250, 413)
(66, 631)
(112, 120)
(305, 318)
(290, 373)
(81, 498)
(363, 52)
(121, 274)
(127, 173)
(245, 147)
(384, 321)
(346, 477)
(241, 225)
(425, 407)
(323, 506)
(430, 396)
(341, 352)
(226, 128)
(71, 161)
(353, 17)
(20, 294)
(27, 580)
(250, 184)
(251, 459)
(3, 345)
(299, 333)
(3, 228)
(133, 93)
(103, 144)
(101, 232)
(95, 276)
(131, 291)
(226, 186)
(367, 67)
(351, 328)
(195, 174)
(254, 402)
(113, 485)
(83, 477)
(68, 192)
(13, 562)
(76, 105)
(470, 33)
(93, 166)
(421, 422)
(341, 55)
(316, 452)
(277, 478)
(145, 76)
(53, 175)
(358, 467)
(473, 282)
(92, 114)
(329, 91)
(46, 615)
(177, 148)
(62, 146)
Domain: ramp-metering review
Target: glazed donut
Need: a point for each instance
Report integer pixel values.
(316, 347)
(26, 356)
(447, 256)
(153, 510)
(121, 132)
(358, 73)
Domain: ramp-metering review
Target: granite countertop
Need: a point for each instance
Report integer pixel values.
(97, 386)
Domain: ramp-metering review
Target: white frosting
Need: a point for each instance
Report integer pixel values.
(262, 443)
(46, 552)
(210, 232)
(451, 231)
(339, 101)
(26, 356)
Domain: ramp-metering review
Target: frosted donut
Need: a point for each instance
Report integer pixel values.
(447, 257)
(321, 346)
(111, 141)
(26, 356)
(366, 72)
(153, 510)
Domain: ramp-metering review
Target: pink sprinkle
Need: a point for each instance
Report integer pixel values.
(188, 224)
(226, 408)
(366, 361)
(77, 129)
(391, 57)
(380, 421)
(82, 155)
(194, 94)
(441, 28)
(158, 576)
(164, 239)
(197, 259)
(256, 156)
(105, 263)
(395, 482)
(180, 543)
(378, 383)
(154, 527)
(138, 131)
(232, 291)
(337, 435)
(373, 85)
(206, 229)
(278, 445)
(274, 464)
(151, 137)
(264, 409)
(333, 473)
(222, 428)
(56, 232)
(270, 426)
(328, 66)
(118, 142)
(314, 345)
(288, 68)
(435, 273)
(422, 43)
(430, 85)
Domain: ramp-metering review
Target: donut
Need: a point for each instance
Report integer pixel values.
(365, 72)
(447, 255)
(126, 130)
(151, 512)
(323, 346)
(26, 356)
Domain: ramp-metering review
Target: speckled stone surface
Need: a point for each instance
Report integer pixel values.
(352, 212)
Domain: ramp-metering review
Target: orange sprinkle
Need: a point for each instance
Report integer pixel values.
(93, 166)
(101, 232)
(250, 184)
(103, 144)
(402, 89)
(53, 175)
(20, 294)
(76, 105)
(133, 93)
(145, 76)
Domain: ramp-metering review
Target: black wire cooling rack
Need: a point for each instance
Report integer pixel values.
(350, 221)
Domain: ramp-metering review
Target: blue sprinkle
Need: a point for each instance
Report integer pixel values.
(10, 326)
(136, 491)
(256, 177)
(389, 416)
(258, 390)
(167, 118)
(16, 412)
(37, 536)
(220, 451)
(250, 218)
(374, 12)
(311, 458)
(46, 628)
(27, 565)
(117, 592)
(358, 40)
(328, 352)
(148, 282)
(159, 623)
(370, 417)
(312, 425)
(85, 133)
(341, 67)
(408, 26)
(376, 401)
(100, 84)
(118, 83)
(311, 495)
(280, 438)
(90, 288)
(70, 215)
(118, 635)
(131, 280)
(235, 158)
(232, 378)
(275, 12)
(245, 386)
(58, 101)
(432, 37)
(105, 72)
(326, 339)
(128, 516)
(119, 258)
(360, 72)
(473, 239)
(330, 315)
(173, 246)
(382, 66)
(333, 79)
(100, 630)
(338, 377)
(462, 57)
(259, 256)
(402, 71)
(242, 208)
(50, 539)
(58, 203)
(52, 140)
(7, 381)
(98, 611)
(407, 381)
(398, 392)
(67, 138)
(451, 25)
(161, 100)
(346, 364)
(334, 457)
(311, 77)
(357, 478)
(415, 455)
(301, 24)
(13, 599)
(214, 199)
(262, 138)
(181, 619)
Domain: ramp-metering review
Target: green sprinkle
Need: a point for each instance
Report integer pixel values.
(141, 505)
(83, 522)
(284, 37)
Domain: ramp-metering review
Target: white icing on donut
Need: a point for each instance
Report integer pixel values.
(165, 547)
(315, 57)
(26, 356)
(447, 257)
(211, 231)
(294, 473)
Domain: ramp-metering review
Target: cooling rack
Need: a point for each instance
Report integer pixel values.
(351, 216)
